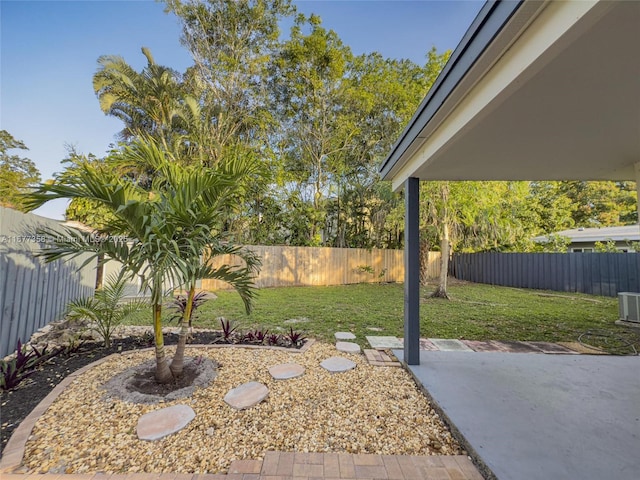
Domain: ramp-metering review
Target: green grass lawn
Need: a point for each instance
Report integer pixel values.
(475, 312)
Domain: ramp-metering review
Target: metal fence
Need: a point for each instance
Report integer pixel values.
(32, 292)
(603, 274)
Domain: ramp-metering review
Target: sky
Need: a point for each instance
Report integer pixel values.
(49, 51)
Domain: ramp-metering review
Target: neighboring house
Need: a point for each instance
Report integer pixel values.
(584, 239)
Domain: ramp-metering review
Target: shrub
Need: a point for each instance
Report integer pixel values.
(106, 309)
(228, 329)
(296, 339)
(23, 364)
(180, 305)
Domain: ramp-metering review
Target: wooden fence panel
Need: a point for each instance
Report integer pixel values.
(302, 266)
(603, 274)
(32, 293)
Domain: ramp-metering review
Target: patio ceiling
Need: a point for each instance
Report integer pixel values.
(535, 91)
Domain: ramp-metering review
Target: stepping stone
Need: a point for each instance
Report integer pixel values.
(348, 347)
(337, 364)
(246, 395)
(161, 423)
(547, 347)
(481, 346)
(285, 371)
(580, 348)
(516, 347)
(384, 342)
(427, 345)
(344, 336)
(450, 345)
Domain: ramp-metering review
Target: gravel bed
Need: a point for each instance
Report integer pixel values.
(365, 410)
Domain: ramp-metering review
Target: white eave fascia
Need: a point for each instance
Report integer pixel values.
(486, 26)
(495, 66)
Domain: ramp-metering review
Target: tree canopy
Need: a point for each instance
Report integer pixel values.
(317, 120)
(17, 174)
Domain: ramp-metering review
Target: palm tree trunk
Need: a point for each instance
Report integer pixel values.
(163, 374)
(177, 364)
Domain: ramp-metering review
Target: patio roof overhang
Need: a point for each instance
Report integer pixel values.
(535, 91)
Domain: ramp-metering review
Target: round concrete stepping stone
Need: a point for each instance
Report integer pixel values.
(161, 423)
(246, 395)
(285, 371)
(344, 336)
(348, 347)
(337, 364)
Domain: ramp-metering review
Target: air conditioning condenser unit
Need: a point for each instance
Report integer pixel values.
(629, 306)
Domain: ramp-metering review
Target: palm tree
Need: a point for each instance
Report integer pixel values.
(170, 228)
(107, 308)
(148, 102)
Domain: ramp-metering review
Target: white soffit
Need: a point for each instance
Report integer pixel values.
(555, 96)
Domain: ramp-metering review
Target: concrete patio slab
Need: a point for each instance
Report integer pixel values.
(554, 348)
(384, 342)
(450, 345)
(531, 416)
(481, 345)
(515, 347)
(581, 348)
(426, 344)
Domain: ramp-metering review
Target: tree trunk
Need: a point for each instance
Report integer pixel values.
(100, 271)
(424, 262)
(163, 374)
(177, 364)
(441, 292)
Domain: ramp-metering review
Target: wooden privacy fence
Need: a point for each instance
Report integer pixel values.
(594, 273)
(33, 293)
(284, 266)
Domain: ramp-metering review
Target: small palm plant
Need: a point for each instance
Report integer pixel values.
(173, 230)
(107, 309)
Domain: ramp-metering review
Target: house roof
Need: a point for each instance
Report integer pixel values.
(536, 90)
(603, 234)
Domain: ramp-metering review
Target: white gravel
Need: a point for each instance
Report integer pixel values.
(365, 410)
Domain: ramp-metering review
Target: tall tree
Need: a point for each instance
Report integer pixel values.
(310, 93)
(601, 203)
(17, 174)
(553, 208)
(148, 102)
(475, 216)
(382, 94)
(231, 43)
